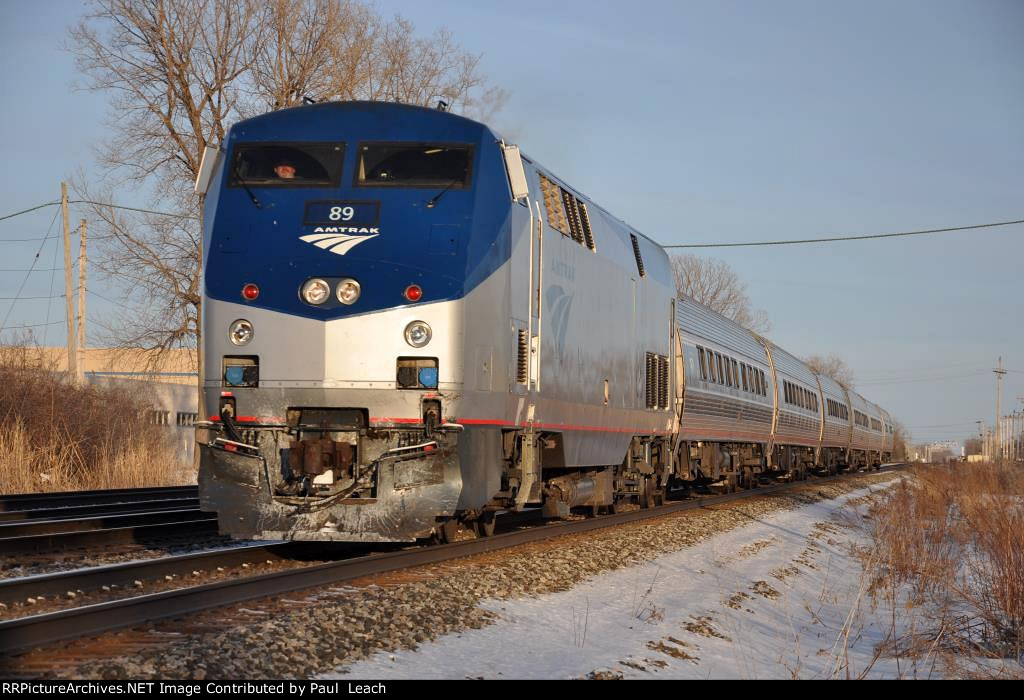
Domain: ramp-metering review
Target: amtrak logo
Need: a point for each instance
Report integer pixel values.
(339, 239)
(560, 306)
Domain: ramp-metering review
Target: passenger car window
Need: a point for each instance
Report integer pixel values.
(413, 165)
(287, 164)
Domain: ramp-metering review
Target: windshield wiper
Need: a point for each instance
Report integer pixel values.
(433, 200)
(241, 181)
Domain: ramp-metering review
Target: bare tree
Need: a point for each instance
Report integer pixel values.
(155, 259)
(309, 45)
(423, 71)
(973, 446)
(716, 285)
(180, 72)
(173, 68)
(831, 366)
(900, 440)
(344, 50)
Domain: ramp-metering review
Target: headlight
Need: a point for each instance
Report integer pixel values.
(316, 291)
(240, 332)
(348, 291)
(417, 334)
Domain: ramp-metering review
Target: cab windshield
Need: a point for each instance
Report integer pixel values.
(413, 165)
(287, 164)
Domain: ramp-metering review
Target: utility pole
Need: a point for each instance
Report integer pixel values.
(1018, 432)
(68, 298)
(81, 301)
(999, 403)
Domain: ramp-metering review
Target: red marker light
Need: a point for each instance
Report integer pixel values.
(413, 292)
(250, 292)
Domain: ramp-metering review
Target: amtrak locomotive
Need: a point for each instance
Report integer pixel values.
(409, 326)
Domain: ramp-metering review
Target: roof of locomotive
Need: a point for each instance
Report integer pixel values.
(427, 116)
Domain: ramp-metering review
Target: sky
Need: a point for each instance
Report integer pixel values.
(701, 122)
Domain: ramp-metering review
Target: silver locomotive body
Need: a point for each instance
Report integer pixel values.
(328, 432)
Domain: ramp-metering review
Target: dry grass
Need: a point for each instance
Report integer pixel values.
(56, 437)
(948, 544)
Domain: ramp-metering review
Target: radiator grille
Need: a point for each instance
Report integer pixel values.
(636, 254)
(572, 212)
(656, 385)
(588, 232)
(553, 204)
(522, 357)
(662, 381)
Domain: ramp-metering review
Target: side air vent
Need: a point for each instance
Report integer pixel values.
(636, 254)
(588, 233)
(652, 380)
(522, 358)
(566, 213)
(662, 382)
(553, 204)
(657, 380)
(572, 212)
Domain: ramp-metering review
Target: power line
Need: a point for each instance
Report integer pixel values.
(833, 239)
(940, 378)
(112, 301)
(882, 374)
(109, 205)
(40, 238)
(846, 238)
(33, 325)
(26, 211)
(29, 269)
(49, 304)
(28, 274)
(941, 425)
(118, 206)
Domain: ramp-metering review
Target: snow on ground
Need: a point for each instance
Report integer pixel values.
(772, 599)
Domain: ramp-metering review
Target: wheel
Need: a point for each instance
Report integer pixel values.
(447, 531)
(484, 525)
(647, 492)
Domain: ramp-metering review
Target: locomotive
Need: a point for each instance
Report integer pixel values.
(409, 327)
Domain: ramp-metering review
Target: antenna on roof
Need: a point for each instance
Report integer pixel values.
(443, 106)
(307, 100)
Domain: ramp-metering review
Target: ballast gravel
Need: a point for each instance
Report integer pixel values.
(318, 631)
(54, 562)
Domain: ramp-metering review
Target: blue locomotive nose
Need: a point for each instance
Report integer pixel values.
(349, 192)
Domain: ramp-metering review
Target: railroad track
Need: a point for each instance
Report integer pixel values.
(32, 631)
(64, 499)
(61, 521)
